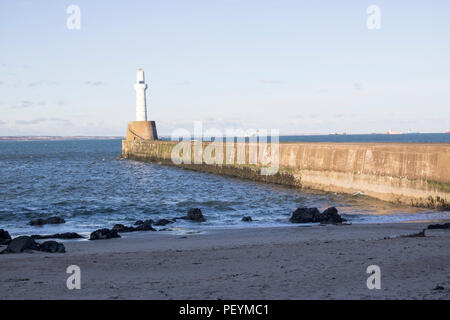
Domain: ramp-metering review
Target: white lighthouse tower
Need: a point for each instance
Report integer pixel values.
(141, 101)
(141, 129)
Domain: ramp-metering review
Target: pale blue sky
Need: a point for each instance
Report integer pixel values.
(303, 67)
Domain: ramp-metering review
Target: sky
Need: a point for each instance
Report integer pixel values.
(303, 67)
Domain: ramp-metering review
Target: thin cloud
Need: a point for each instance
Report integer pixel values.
(183, 83)
(59, 120)
(30, 122)
(272, 81)
(41, 83)
(41, 120)
(307, 116)
(24, 104)
(94, 83)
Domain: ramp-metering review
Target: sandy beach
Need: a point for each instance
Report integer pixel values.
(319, 262)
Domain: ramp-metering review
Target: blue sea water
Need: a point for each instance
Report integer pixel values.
(86, 183)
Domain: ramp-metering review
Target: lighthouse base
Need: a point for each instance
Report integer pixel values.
(142, 130)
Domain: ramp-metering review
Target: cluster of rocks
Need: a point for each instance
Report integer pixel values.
(26, 244)
(144, 226)
(104, 233)
(65, 235)
(308, 215)
(194, 214)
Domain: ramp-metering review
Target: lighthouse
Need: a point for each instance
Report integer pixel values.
(142, 128)
(141, 101)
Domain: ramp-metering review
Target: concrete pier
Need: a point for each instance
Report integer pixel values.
(407, 173)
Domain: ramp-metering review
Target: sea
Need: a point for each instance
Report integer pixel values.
(90, 186)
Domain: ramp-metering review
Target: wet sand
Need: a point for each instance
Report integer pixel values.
(319, 262)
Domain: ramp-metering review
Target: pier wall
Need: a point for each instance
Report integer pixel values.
(407, 173)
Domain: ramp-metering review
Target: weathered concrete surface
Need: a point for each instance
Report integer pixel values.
(407, 173)
(142, 130)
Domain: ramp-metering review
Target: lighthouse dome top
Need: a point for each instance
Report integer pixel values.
(140, 76)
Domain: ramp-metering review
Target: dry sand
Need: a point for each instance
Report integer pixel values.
(320, 262)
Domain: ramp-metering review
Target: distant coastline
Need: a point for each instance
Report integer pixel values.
(57, 138)
(358, 138)
(347, 138)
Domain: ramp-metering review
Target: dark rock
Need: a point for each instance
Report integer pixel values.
(439, 226)
(51, 220)
(52, 247)
(24, 243)
(304, 215)
(195, 214)
(66, 235)
(307, 215)
(101, 234)
(140, 222)
(5, 238)
(330, 215)
(247, 219)
(122, 228)
(439, 288)
(163, 222)
(146, 226)
(20, 244)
